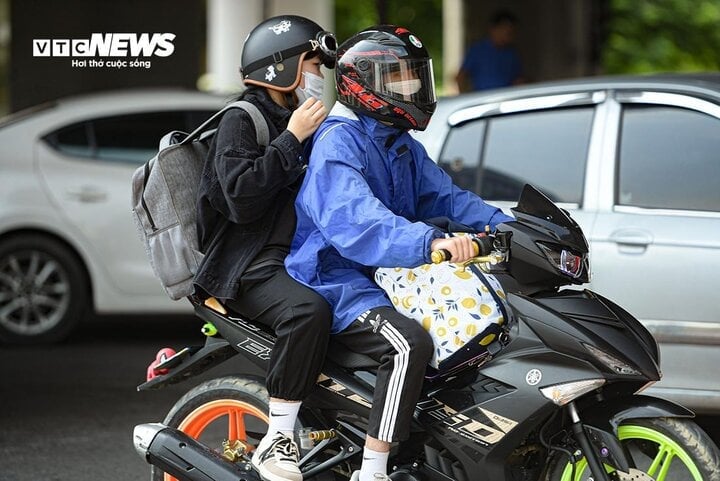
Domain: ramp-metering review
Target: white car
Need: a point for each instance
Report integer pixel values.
(636, 160)
(68, 244)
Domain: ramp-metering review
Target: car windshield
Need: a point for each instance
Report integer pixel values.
(539, 212)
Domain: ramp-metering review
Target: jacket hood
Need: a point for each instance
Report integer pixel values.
(363, 123)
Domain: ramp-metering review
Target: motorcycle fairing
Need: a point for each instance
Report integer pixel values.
(539, 212)
(568, 319)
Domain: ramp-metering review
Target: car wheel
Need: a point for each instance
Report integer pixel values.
(43, 290)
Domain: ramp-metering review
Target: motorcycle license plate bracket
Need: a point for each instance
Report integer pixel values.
(190, 361)
(177, 358)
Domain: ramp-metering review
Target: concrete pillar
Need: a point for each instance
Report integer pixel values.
(453, 43)
(229, 22)
(320, 11)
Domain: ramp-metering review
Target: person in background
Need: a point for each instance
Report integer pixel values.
(492, 62)
(246, 220)
(369, 187)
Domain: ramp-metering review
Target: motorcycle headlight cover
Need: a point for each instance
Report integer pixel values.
(613, 363)
(561, 394)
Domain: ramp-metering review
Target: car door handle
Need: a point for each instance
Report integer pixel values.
(632, 241)
(87, 194)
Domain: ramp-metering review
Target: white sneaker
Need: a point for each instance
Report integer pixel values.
(276, 459)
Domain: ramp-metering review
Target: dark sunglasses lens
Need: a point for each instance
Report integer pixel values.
(329, 44)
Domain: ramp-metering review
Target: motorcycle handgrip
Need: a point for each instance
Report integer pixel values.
(483, 246)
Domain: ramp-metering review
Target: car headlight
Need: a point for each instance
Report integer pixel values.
(615, 364)
(561, 394)
(565, 261)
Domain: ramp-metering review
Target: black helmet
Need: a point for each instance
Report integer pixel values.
(273, 51)
(386, 72)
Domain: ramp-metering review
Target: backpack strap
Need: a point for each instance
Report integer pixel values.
(262, 130)
(261, 127)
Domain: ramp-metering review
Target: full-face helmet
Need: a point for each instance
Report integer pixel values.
(386, 72)
(274, 50)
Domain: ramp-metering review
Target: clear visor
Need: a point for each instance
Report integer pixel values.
(405, 80)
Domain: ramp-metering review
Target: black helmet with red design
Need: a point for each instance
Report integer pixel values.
(385, 72)
(273, 51)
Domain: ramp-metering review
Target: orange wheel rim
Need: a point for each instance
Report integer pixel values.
(235, 411)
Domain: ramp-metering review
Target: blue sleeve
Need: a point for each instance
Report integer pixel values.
(439, 197)
(341, 204)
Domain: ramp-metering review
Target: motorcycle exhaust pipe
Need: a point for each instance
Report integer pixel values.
(181, 456)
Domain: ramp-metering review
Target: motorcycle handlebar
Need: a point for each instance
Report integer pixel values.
(482, 246)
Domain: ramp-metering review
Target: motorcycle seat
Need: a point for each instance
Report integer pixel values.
(337, 353)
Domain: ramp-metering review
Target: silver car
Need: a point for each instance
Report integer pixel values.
(68, 244)
(637, 162)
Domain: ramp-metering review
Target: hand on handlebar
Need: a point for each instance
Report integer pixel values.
(455, 249)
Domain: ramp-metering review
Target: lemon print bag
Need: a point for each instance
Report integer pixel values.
(463, 309)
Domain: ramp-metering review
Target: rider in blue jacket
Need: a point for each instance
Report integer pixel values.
(368, 189)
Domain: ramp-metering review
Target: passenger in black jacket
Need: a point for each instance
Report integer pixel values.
(246, 219)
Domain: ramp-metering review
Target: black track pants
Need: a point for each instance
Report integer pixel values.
(301, 320)
(403, 349)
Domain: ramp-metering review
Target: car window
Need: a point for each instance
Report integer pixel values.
(126, 138)
(547, 149)
(460, 156)
(134, 138)
(669, 158)
(74, 140)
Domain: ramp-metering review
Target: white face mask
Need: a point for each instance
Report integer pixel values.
(404, 87)
(314, 87)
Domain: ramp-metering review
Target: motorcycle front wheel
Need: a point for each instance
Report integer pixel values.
(663, 449)
(228, 408)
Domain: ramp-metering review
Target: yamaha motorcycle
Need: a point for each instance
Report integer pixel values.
(556, 398)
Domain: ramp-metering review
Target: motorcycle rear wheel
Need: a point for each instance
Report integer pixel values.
(218, 410)
(665, 449)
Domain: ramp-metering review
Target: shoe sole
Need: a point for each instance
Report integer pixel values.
(266, 475)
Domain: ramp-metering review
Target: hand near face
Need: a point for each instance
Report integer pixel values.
(305, 120)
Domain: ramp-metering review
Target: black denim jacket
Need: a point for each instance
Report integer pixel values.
(246, 195)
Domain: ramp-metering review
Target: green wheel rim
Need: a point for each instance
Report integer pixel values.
(668, 450)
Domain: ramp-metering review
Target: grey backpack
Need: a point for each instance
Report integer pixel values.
(164, 200)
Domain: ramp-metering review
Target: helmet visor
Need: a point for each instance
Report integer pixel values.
(406, 80)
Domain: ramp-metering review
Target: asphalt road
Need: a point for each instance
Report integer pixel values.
(67, 411)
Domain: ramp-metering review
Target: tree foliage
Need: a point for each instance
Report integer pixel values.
(647, 36)
(421, 17)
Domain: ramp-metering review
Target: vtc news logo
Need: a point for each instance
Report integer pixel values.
(107, 45)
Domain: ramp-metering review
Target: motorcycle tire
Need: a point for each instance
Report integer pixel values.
(218, 410)
(663, 449)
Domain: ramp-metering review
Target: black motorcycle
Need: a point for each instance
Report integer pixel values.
(556, 398)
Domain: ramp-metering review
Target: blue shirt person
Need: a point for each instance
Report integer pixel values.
(492, 62)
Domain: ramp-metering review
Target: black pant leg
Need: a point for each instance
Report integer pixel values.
(403, 348)
(301, 319)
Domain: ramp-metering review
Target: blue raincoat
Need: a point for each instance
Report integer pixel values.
(362, 203)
